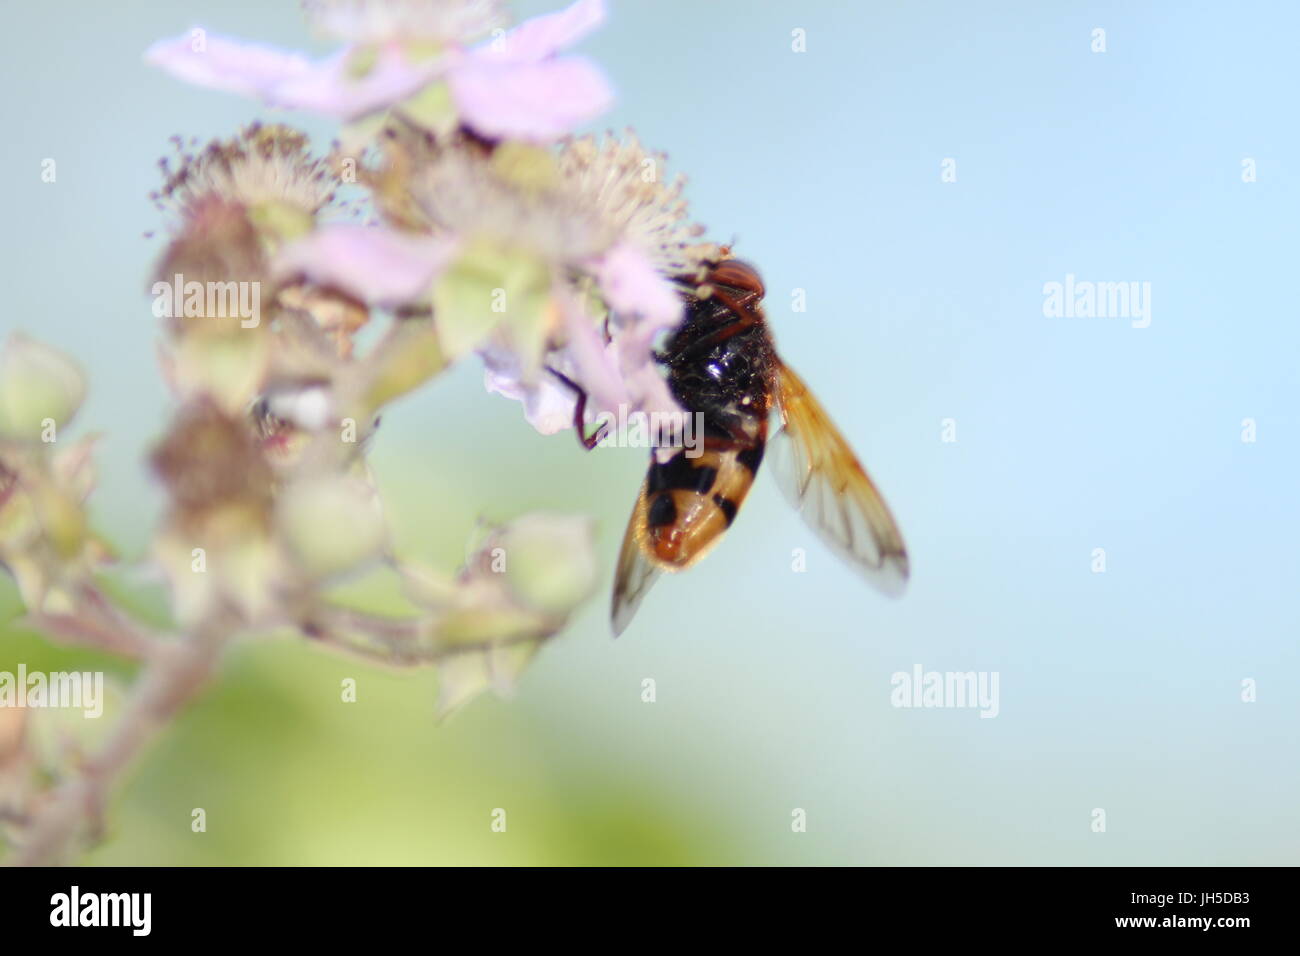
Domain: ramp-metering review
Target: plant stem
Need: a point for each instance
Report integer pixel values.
(173, 676)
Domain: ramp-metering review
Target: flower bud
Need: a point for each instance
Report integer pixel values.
(331, 524)
(550, 560)
(39, 386)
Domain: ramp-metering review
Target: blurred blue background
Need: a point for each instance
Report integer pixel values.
(1119, 690)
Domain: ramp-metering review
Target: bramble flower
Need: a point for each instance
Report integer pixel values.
(558, 260)
(229, 199)
(45, 540)
(228, 206)
(527, 252)
(265, 170)
(216, 544)
(415, 54)
(46, 543)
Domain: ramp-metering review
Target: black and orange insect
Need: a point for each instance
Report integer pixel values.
(721, 363)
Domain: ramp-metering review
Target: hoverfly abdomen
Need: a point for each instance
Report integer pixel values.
(691, 502)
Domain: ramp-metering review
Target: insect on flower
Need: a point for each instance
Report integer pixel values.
(722, 364)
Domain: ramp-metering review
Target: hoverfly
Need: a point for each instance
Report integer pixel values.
(721, 363)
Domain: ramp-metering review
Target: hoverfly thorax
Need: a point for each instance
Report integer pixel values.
(736, 284)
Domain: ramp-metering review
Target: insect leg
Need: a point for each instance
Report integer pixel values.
(588, 442)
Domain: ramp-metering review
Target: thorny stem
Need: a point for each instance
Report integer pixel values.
(173, 676)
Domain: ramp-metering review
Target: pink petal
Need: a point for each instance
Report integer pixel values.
(536, 39)
(548, 405)
(224, 63)
(370, 263)
(331, 89)
(621, 378)
(633, 286)
(591, 363)
(537, 101)
(290, 80)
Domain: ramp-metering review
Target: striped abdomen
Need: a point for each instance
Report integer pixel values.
(690, 502)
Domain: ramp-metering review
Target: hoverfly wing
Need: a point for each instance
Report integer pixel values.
(824, 481)
(635, 574)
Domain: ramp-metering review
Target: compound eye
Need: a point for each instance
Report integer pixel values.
(737, 275)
